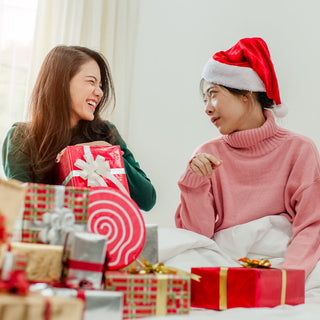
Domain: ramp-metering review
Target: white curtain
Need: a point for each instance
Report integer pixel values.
(109, 26)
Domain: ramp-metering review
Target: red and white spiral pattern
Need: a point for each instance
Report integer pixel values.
(117, 216)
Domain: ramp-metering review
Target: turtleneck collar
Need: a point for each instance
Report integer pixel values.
(252, 137)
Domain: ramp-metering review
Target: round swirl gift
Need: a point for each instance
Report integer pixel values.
(116, 215)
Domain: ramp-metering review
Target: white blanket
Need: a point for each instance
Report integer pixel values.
(264, 238)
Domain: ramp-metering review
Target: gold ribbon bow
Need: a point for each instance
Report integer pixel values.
(145, 267)
(254, 263)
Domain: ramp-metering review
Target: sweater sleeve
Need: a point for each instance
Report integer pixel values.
(303, 251)
(302, 201)
(140, 186)
(16, 163)
(196, 210)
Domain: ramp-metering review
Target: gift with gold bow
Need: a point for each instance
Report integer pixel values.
(93, 166)
(255, 284)
(151, 289)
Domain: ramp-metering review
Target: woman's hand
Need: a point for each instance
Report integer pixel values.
(203, 164)
(98, 143)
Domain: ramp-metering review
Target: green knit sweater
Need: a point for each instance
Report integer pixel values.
(16, 165)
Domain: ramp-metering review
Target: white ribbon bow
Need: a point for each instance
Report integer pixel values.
(54, 224)
(93, 171)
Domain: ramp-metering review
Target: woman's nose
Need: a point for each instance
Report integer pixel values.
(209, 109)
(98, 91)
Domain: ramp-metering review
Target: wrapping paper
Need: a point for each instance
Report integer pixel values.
(224, 288)
(99, 304)
(52, 211)
(150, 251)
(86, 259)
(37, 307)
(89, 166)
(115, 215)
(12, 195)
(150, 294)
(43, 262)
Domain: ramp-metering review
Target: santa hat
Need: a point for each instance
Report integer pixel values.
(246, 66)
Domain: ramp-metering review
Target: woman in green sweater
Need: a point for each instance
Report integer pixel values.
(73, 87)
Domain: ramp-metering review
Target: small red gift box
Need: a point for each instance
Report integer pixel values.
(150, 294)
(224, 288)
(92, 166)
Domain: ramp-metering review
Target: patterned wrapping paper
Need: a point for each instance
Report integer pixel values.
(99, 304)
(92, 166)
(50, 211)
(224, 288)
(86, 259)
(150, 294)
(41, 262)
(37, 307)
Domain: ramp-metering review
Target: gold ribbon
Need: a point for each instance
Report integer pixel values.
(161, 300)
(283, 287)
(223, 288)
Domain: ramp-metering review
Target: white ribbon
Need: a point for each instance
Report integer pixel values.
(93, 171)
(54, 224)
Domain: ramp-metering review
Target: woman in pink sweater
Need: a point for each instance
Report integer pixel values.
(255, 168)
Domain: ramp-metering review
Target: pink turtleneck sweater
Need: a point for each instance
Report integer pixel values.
(265, 171)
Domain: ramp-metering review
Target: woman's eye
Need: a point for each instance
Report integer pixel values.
(211, 93)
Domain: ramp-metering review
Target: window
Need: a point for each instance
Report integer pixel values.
(17, 23)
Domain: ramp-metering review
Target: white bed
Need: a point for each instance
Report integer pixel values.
(264, 238)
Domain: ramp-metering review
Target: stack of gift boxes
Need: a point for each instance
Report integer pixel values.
(69, 252)
(80, 249)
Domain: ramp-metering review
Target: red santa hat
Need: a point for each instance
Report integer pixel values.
(246, 66)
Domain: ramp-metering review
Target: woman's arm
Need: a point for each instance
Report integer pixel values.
(141, 188)
(15, 161)
(196, 211)
(303, 251)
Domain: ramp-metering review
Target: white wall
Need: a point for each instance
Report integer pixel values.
(175, 39)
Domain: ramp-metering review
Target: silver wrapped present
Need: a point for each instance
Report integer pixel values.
(86, 259)
(99, 304)
(150, 250)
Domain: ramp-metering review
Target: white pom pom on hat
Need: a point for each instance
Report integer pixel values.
(246, 66)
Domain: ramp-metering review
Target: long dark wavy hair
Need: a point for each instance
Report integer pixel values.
(49, 130)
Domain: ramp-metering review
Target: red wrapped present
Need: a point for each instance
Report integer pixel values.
(115, 215)
(52, 211)
(224, 288)
(150, 294)
(92, 166)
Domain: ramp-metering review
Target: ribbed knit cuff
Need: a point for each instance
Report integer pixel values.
(192, 179)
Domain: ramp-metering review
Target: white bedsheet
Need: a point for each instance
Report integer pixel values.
(264, 238)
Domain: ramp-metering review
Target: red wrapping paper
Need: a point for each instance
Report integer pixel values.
(111, 156)
(247, 287)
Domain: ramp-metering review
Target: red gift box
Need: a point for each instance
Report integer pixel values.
(150, 294)
(224, 288)
(92, 166)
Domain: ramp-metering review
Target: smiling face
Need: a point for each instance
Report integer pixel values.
(85, 92)
(230, 112)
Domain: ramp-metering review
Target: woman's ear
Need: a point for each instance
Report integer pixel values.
(246, 97)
